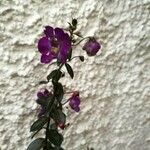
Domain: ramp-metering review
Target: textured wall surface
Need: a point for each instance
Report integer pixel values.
(114, 85)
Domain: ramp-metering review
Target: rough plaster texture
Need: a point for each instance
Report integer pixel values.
(114, 85)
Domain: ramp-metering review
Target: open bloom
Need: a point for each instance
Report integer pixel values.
(54, 45)
(91, 47)
(74, 102)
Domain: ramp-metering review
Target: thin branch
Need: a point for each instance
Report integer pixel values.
(81, 41)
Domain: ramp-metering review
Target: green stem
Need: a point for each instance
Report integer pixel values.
(48, 123)
(50, 109)
(81, 41)
(47, 130)
(74, 57)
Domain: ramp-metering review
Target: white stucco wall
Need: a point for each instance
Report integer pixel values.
(114, 85)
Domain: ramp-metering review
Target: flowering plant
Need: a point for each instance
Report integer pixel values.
(56, 47)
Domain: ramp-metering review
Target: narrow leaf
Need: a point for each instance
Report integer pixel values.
(55, 137)
(55, 75)
(52, 74)
(59, 92)
(81, 58)
(58, 75)
(37, 125)
(70, 71)
(36, 144)
(74, 22)
(70, 54)
(59, 116)
(43, 82)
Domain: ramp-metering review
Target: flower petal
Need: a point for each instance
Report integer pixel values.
(49, 31)
(77, 109)
(64, 47)
(74, 103)
(46, 58)
(63, 52)
(44, 45)
(59, 34)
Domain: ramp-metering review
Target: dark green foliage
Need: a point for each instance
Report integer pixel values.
(59, 116)
(53, 126)
(36, 144)
(43, 82)
(81, 58)
(55, 75)
(70, 70)
(59, 92)
(37, 125)
(74, 22)
(70, 55)
(42, 101)
(55, 137)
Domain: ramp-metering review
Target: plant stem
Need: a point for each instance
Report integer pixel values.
(47, 130)
(81, 41)
(50, 109)
(74, 57)
(48, 123)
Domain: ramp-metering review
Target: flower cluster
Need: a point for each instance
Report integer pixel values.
(57, 44)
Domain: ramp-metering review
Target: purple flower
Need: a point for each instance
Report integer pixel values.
(74, 102)
(41, 99)
(54, 45)
(42, 96)
(91, 47)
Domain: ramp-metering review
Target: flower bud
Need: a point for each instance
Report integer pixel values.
(91, 47)
(74, 102)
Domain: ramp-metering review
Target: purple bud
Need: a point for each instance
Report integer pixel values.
(91, 47)
(43, 94)
(40, 94)
(74, 103)
(46, 93)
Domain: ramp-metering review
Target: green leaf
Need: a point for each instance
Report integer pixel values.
(36, 144)
(58, 75)
(42, 101)
(55, 137)
(70, 54)
(81, 58)
(55, 75)
(59, 116)
(74, 22)
(52, 74)
(70, 71)
(37, 125)
(43, 82)
(53, 126)
(49, 146)
(59, 92)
